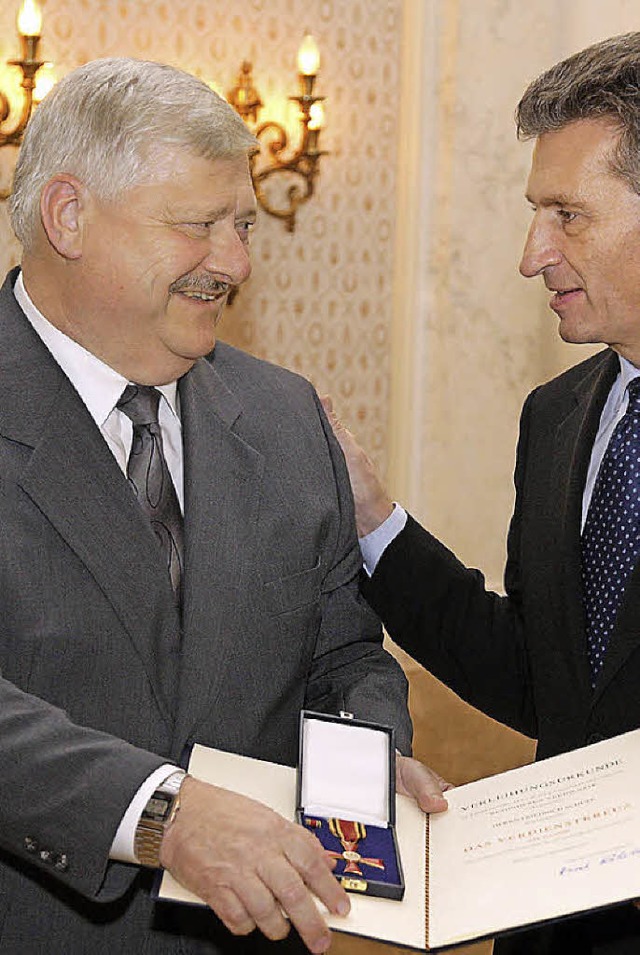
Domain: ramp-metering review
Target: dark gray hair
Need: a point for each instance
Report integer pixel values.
(601, 82)
(102, 121)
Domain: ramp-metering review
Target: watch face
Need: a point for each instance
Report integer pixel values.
(158, 807)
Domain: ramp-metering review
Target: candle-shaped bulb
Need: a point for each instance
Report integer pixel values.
(308, 56)
(45, 81)
(29, 19)
(316, 116)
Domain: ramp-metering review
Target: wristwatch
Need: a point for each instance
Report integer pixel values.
(156, 818)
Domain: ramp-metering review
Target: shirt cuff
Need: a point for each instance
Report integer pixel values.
(122, 845)
(373, 545)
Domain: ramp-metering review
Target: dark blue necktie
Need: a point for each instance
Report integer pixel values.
(150, 479)
(611, 535)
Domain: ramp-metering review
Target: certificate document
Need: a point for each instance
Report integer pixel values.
(544, 841)
(534, 844)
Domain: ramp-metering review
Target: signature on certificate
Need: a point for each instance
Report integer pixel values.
(621, 854)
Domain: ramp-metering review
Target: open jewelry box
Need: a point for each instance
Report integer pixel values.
(346, 798)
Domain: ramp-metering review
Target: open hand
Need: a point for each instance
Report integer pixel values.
(373, 504)
(250, 865)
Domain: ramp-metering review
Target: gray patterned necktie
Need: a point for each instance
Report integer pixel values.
(150, 478)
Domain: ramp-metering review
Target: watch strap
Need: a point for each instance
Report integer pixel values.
(151, 829)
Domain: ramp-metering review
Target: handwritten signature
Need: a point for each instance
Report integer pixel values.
(584, 865)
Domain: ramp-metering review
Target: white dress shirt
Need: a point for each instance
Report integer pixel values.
(100, 388)
(374, 544)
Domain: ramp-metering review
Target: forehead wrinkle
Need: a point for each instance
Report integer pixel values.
(189, 207)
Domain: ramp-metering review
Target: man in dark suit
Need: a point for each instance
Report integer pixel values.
(558, 657)
(211, 595)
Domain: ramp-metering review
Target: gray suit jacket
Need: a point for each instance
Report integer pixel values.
(100, 683)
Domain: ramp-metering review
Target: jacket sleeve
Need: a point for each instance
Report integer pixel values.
(441, 613)
(64, 791)
(351, 670)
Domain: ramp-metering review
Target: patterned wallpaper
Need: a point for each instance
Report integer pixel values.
(318, 301)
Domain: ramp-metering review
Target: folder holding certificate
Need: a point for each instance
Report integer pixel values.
(531, 845)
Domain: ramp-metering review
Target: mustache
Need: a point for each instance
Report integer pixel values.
(206, 284)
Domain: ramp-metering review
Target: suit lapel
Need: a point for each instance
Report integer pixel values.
(73, 479)
(572, 452)
(223, 478)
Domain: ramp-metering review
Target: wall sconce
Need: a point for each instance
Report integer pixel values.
(29, 29)
(299, 168)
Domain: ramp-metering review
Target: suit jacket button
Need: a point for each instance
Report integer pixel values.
(30, 844)
(61, 862)
(45, 855)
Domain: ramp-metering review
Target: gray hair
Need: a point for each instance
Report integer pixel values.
(601, 82)
(101, 122)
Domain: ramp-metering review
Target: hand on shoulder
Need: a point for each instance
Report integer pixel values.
(373, 504)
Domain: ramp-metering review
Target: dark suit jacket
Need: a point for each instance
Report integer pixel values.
(522, 658)
(99, 683)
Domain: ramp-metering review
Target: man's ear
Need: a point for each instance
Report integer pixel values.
(62, 205)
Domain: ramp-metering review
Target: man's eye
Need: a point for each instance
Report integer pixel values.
(566, 216)
(244, 229)
(198, 229)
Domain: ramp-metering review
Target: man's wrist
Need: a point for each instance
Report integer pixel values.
(374, 544)
(156, 817)
(373, 513)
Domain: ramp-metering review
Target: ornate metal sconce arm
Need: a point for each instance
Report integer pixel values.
(283, 178)
(29, 64)
(301, 166)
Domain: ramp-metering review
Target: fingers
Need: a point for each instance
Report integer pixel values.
(294, 898)
(307, 870)
(372, 502)
(339, 429)
(426, 787)
(231, 910)
(318, 872)
(254, 896)
(251, 866)
(327, 403)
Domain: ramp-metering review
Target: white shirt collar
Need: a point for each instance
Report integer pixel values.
(99, 385)
(627, 373)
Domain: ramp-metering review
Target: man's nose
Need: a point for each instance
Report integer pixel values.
(540, 251)
(228, 257)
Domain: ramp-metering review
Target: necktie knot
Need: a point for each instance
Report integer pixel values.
(140, 404)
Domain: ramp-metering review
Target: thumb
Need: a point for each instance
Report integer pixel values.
(426, 787)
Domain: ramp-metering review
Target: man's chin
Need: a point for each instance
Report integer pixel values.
(577, 333)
